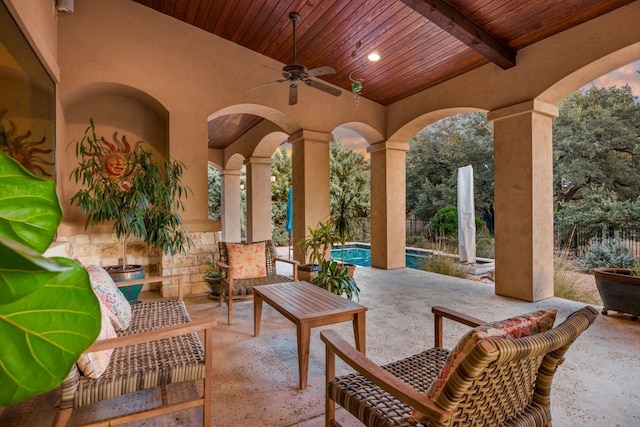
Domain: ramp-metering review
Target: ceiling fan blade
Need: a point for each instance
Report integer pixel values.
(264, 84)
(272, 68)
(323, 87)
(293, 94)
(321, 71)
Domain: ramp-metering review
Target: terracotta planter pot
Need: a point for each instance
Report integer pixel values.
(619, 290)
(351, 268)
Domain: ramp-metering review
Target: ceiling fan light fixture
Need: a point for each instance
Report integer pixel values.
(373, 57)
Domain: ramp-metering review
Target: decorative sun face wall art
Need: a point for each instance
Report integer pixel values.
(27, 102)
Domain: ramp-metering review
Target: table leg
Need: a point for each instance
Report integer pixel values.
(304, 338)
(257, 313)
(359, 331)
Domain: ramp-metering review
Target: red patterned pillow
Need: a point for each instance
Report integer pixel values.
(247, 261)
(515, 327)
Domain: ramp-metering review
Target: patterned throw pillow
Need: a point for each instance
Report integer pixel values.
(95, 363)
(111, 297)
(247, 261)
(516, 327)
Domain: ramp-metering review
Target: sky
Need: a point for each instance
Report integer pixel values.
(628, 74)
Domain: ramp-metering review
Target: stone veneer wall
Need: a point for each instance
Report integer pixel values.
(104, 249)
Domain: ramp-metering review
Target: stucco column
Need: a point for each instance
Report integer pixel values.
(258, 170)
(310, 164)
(230, 199)
(388, 204)
(523, 165)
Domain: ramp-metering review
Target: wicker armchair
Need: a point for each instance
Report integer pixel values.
(501, 381)
(160, 347)
(241, 289)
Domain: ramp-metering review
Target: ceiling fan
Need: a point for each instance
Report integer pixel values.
(297, 73)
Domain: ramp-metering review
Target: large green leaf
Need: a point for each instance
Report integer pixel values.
(48, 312)
(44, 333)
(29, 207)
(23, 271)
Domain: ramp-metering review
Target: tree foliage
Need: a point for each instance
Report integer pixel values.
(215, 186)
(595, 214)
(435, 155)
(349, 192)
(282, 171)
(596, 143)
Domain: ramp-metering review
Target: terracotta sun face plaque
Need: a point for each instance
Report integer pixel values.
(115, 165)
(116, 160)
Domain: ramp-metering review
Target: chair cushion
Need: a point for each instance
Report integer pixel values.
(516, 327)
(94, 364)
(247, 261)
(118, 308)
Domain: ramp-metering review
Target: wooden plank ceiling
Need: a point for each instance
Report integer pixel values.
(421, 42)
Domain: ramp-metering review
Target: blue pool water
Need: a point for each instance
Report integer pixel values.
(361, 255)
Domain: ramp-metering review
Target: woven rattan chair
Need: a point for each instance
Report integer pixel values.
(242, 289)
(160, 347)
(501, 382)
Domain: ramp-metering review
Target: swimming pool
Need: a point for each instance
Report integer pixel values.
(360, 254)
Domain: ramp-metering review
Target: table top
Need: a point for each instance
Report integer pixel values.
(304, 300)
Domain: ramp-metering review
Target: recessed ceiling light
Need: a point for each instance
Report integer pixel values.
(373, 56)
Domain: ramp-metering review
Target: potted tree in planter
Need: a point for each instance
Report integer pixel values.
(136, 190)
(336, 279)
(315, 246)
(48, 312)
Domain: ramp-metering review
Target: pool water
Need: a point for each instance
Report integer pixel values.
(361, 255)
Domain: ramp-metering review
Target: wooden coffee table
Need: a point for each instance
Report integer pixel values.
(308, 306)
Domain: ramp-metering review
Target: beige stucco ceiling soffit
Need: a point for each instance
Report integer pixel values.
(286, 123)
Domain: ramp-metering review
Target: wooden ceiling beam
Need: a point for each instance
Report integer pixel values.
(441, 13)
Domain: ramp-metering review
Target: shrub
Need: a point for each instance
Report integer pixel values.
(445, 221)
(444, 264)
(568, 285)
(608, 252)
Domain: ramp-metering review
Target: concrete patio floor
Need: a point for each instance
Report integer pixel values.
(256, 378)
(598, 385)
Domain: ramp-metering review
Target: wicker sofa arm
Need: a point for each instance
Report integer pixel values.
(155, 279)
(440, 313)
(157, 334)
(336, 345)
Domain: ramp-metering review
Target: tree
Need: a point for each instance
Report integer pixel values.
(350, 191)
(215, 186)
(282, 172)
(596, 143)
(435, 155)
(595, 214)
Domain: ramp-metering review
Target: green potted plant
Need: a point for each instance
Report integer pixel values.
(315, 246)
(48, 312)
(213, 278)
(135, 189)
(336, 279)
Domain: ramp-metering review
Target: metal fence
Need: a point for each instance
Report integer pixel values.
(629, 235)
(415, 226)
